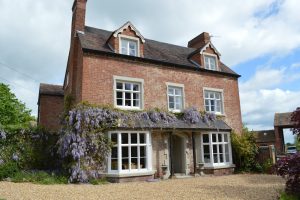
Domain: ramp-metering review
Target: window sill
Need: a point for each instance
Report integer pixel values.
(220, 167)
(132, 174)
(128, 108)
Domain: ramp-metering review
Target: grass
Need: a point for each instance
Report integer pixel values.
(98, 181)
(284, 196)
(39, 177)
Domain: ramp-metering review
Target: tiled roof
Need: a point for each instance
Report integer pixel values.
(48, 89)
(283, 119)
(264, 136)
(96, 40)
(178, 125)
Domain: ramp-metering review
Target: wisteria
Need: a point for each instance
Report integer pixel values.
(2, 135)
(1, 162)
(83, 142)
(15, 157)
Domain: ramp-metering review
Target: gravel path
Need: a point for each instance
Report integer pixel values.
(241, 187)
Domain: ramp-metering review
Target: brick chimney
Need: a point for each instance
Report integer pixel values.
(78, 19)
(199, 41)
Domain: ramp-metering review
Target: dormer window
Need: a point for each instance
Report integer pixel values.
(210, 62)
(129, 47)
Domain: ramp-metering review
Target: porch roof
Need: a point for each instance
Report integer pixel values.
(179, 125)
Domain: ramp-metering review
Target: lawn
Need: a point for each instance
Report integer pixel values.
(235, 187)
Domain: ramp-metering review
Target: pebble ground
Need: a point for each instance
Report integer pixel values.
(233, 187)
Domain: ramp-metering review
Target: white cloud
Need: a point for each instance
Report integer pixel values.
(261, 98)
(295, 65)
(35, 39)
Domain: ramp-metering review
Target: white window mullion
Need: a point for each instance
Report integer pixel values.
(119, 153)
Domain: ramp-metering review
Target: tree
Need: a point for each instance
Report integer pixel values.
(296, 119)
(12, 111)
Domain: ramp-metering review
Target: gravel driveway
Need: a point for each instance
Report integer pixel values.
(222, 187)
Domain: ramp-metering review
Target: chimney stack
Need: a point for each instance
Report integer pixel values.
(78, 19)
(199, 41)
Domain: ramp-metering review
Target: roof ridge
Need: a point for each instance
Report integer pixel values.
(145, 38)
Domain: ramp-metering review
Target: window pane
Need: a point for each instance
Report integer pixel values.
(207, 108)
(171, 99)
(220, 148)
(206, 158)
(226, 148)
(143, 164)
(119, 95)
(214, 137)
(142, 138)
(206, 102)
(127, 95)
(132, 52)
(225, 138)
(220, 138)
(114, 138)
(119, 102)
(215, 148)
(211, 95)
(206, 149)
(133, 138)
(136, 87)
(134, 152)
(125, 164)
(171, 91)
(124, 138)
(227, 157)
(114, 152)
(136, 103)
(178, 91)
(120, 86)
(128, 86)
(127, 102)
(125, 152)
(134, 163)
(221, 158)
(114, 164)
(205, 138)
(136, 96)
(215, 158)
(124, 50)
(143, 151)
(206, 94)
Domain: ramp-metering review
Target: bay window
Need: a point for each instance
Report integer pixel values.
(131, 152)
(216, 149)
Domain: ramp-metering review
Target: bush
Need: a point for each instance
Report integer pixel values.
(244, 151)
(285, 196)
(289, 168)
(8, 170)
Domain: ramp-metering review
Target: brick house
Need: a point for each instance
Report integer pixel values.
(128, 71)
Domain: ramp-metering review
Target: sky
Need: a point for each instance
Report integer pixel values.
(259, 39)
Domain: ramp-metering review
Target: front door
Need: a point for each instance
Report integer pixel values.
(178, 154)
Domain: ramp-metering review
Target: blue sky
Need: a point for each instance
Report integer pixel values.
(259, 39)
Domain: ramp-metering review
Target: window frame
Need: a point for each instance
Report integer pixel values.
(132, 81)
(135, 39)
(147, 145)
(176, 85)
(211, 149)
(221, 91)
(216, 59)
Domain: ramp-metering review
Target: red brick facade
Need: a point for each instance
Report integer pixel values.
(50, 110)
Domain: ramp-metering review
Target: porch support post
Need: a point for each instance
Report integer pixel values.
(194, 153)
(171, 153)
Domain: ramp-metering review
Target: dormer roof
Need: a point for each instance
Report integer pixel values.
(125, 26)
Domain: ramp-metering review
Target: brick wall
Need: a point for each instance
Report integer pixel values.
(97, 84)
(50, 109)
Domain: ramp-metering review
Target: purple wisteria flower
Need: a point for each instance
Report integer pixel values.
(2, 135)
(15, 157)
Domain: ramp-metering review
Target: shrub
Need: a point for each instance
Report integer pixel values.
(40, 177)
(244, 151)
(7, 170)
(289, 168)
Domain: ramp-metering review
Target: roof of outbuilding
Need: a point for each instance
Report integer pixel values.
(96, 40)
(283, 119)
(264, 136)
(48, 89)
